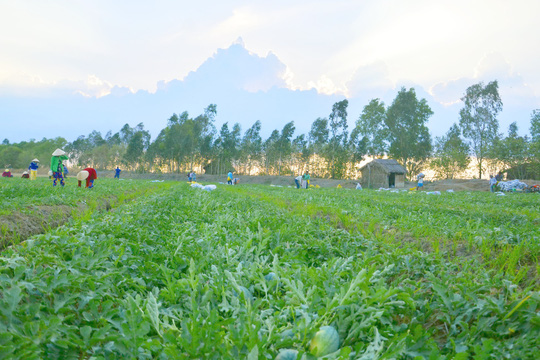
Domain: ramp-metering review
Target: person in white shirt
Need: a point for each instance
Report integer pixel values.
(420, 178)
(492, 183)
(297, 181)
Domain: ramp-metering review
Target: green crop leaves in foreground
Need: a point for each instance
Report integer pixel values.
(191, 274)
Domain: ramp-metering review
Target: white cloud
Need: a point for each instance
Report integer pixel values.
(512, 87)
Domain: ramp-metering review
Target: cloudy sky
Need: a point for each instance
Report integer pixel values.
(355, 49)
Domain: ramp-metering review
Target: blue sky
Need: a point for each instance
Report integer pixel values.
(68, 67)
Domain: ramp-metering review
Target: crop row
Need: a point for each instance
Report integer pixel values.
(501, 232)
(191, 274)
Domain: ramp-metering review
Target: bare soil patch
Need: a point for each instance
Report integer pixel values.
(19, 226)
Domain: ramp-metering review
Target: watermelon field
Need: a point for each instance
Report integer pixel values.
(166, 271)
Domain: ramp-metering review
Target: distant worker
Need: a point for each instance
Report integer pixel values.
(229, 177)
(420, 178)
(235, 181)
(88, 174)
(305, 180)
(117, 173)
(499, 176)
(297, 181)
(57, 168)
(7, 173)
(25, 175)
(492, 183)
(34, 165)
(66, 172)
(193, 176)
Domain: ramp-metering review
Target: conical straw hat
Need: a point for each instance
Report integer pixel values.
(58, 152)
(35, 160)
(82, 175)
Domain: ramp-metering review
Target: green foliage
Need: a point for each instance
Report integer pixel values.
(369, 135)
(478, 118)
(408, 135)
(451, 154)
(511, 152)
(20, 155)
(181, 274)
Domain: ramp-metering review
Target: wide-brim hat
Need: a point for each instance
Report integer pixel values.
(7, 170)
(25, 172)
(83, 175)
(58, 152)
(35, 160)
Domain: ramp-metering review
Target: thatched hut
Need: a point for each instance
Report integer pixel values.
(384, 173)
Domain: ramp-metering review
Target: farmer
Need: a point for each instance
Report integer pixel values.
(117, 173)
(88, 174)
(34, 165)
(7, 173)
(499, 176)
(66, 172)
(297, 181)
(420, 178)
(492, 183)
(230, 177)
(57, 168)
(305, 180)
(235, 181)
(25, 175)
(193, 176)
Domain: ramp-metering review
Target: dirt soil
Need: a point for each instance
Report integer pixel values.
(439, 185)
(19, 226)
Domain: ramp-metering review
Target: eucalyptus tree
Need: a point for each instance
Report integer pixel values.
(369, 135)
(512, 152)
(478, 118)
(318, 139)
(270, 151)
(251, 146)
(407, 133)
(301, 151)
(284, 145)
(336, 152)
(451, 155)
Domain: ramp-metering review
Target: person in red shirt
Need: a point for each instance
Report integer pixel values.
(88, 174)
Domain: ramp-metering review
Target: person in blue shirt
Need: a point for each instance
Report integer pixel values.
(229, 177)
(34, 165)
(117, 173)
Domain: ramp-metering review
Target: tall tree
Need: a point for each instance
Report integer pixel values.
(251, 147)
(478, 118)
(318, 138)
(283, 145)
(535, 143)
(451, 154)
(337, 146)
(512, 152)
(408, 135)
(301, 149)
(370, 130)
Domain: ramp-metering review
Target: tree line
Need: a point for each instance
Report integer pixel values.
(398, 131)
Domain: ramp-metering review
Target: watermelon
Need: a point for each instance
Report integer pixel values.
(287, 354)
(325, 341)
(247, 294)
(270, 276)
(287, 334)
